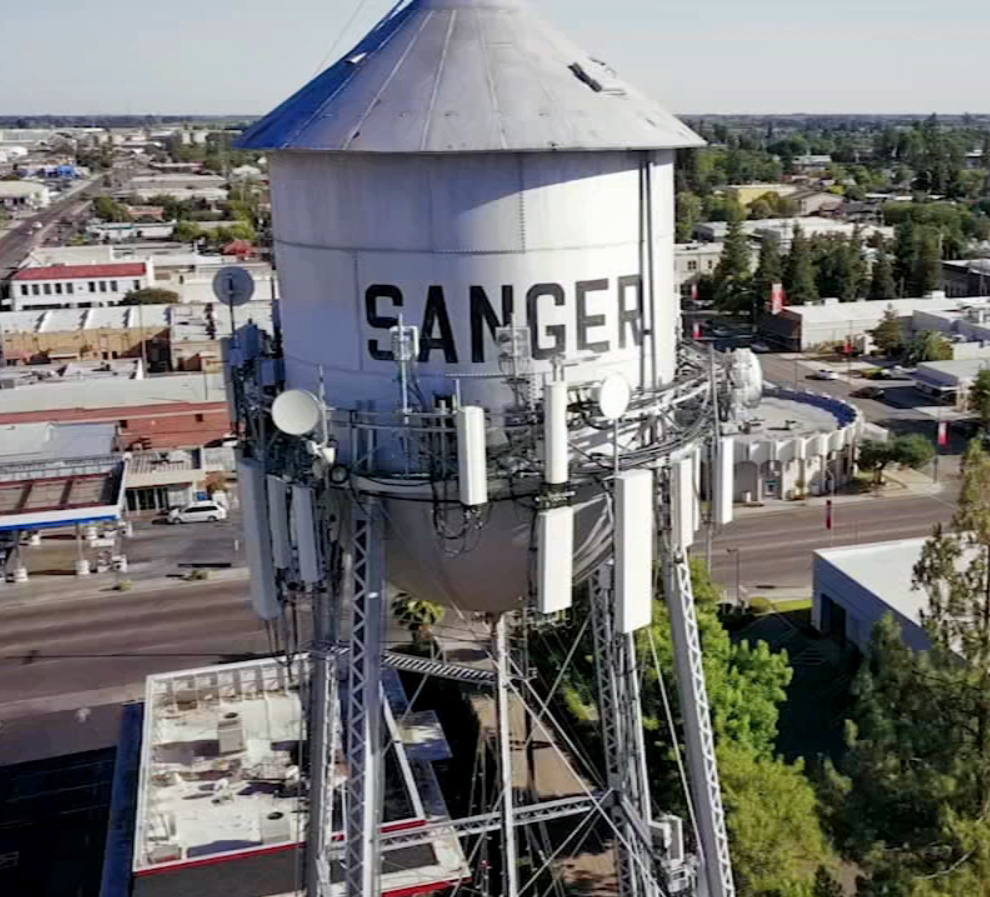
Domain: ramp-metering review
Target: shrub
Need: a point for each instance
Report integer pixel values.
(124, 585)
(760, 605)
(198, 575)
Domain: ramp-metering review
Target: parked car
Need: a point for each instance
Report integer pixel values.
(198, 512)
(824, 374)
(760, 347)
(868, 392)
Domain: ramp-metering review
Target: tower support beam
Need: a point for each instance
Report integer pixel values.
(366, 587)
(698, 735)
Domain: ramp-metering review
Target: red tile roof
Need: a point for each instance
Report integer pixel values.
(80, 272)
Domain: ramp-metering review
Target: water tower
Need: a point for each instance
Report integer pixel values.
(477, 394)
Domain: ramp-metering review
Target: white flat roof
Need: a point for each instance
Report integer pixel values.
(886, 569)
(961, 369)
(221, 779)
(114, 393)
(867, 310)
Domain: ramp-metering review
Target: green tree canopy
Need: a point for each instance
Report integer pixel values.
(689, 208)
(150, 296)
(732, 273)
(889, 334)
(882, 285)
(799, 271)
(979, 397)
(928, 345)
(769, 271)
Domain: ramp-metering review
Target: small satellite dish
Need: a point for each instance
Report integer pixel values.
(613, 396)
(296, 412)
(233, 285)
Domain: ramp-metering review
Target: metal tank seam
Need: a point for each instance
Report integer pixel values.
(294, 244)
(490, 78)
(388, 80)
(431, 108)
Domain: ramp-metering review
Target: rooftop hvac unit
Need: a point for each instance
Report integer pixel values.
(274, 828)
(230, 733)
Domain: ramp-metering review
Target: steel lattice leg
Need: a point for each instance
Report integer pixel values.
(364, 709)
(510, 869)
(621, 720)
(700, 740)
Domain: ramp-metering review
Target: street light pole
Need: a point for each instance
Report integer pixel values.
(736, 552)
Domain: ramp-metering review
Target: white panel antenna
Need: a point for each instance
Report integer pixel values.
(296, 412)
(278, 520)
(555, 559)
(472, 464)
(634, 538)
(682, 518)
(304, 535)
(724, 480)
(555, 444)
(257, 544)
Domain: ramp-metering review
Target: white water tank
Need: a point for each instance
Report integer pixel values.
(466, 167)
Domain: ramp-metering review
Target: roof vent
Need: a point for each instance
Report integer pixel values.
(582, 75)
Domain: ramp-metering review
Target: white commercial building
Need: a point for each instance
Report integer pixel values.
(693, 260)
(794, 444)
(949, 381)
(77, 286)
(24, 195)
(802, 327)
(855, 587)
(783, 229)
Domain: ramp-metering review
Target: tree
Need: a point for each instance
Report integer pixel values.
(188, 232)
(927, 268)
(799, 272)
(889, 334)
(689, 212)
(978, 398)
(106, 208)
(912, 450)
(929, 345)
(882, 284)
(904, 254)
(910, 802)
(150, 296)
(419, 616)
(732, 270)
(769, 271)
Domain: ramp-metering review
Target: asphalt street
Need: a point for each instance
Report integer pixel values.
(775, 549)
(22, 239)
(57, 656)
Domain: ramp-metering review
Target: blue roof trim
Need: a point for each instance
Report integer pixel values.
(282, 125)
(85, 518)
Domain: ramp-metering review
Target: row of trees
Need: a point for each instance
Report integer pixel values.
(826, 266)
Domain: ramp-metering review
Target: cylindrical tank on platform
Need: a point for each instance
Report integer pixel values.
(466, 168)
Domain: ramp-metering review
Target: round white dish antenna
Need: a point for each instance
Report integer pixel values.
(613, 396)
(233, 285)
(296, 412)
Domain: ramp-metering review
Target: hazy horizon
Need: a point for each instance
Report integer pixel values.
(766, 57)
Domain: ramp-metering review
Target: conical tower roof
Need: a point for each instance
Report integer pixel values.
(442, 76)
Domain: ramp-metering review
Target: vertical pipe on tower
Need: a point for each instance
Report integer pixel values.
(510, 872)
(555, 448)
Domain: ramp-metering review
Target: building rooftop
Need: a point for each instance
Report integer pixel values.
(79, 272)
(113, 393)
(441, 76)
(961, 369)
(21, 188)
(886, 569)
(220, 781)
(55, 441)
(782, 417)
(865, 310)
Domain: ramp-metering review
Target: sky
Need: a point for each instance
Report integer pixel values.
(715, 56)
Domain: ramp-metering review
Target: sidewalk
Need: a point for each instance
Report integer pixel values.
(893, 490)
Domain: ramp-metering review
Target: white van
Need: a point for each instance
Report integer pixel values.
(198, 512)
